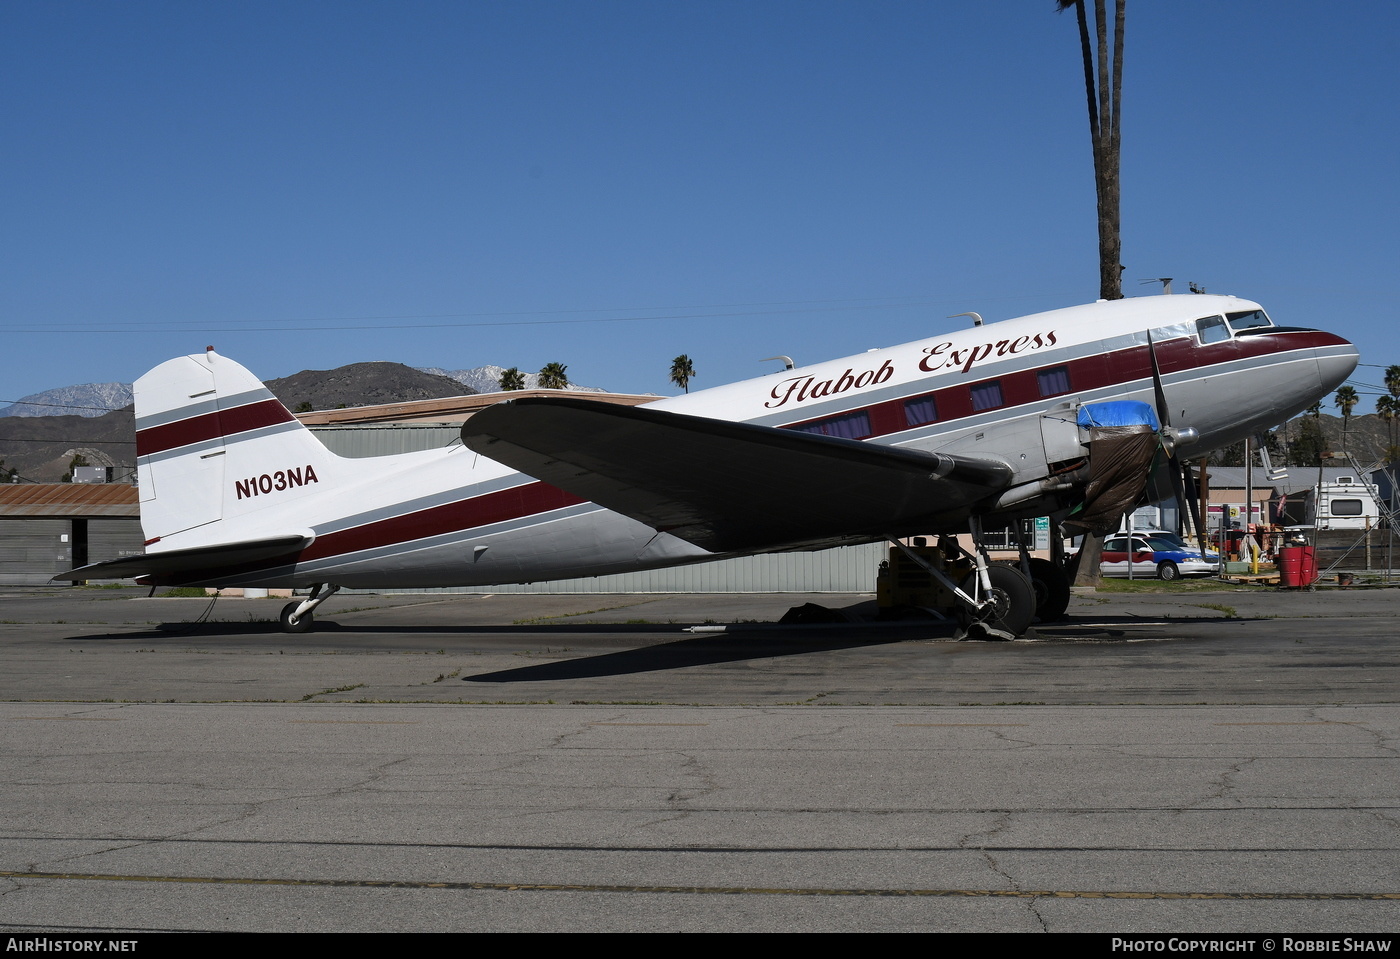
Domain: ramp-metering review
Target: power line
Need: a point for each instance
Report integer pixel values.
(70, 406)
(653, 314)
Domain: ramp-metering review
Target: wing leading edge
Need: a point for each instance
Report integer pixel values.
(730, 487)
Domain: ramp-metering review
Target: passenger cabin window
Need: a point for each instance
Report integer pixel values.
(1054, 381)
(1212, 329)
(920, 411)
(1346, 507)
(851, 426)
(1253, 319)
(986, 396)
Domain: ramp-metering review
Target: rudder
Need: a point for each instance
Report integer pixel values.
(214, 445)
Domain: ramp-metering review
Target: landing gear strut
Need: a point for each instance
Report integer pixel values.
(297, 616)
(993, 601)
(1007, 608)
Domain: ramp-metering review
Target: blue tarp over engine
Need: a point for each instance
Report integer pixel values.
(1118, 413)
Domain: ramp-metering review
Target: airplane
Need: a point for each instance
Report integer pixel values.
(1063, 414)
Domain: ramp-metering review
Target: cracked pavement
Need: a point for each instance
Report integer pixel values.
(1212, 775)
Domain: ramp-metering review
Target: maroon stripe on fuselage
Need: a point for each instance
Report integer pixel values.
(197, 429)
(499, 507)
(1086, 373)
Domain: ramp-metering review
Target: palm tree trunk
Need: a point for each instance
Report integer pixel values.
(1103, 89)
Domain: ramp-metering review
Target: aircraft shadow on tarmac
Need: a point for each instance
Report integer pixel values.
(741, 643)
(706, 650)
(745, 643)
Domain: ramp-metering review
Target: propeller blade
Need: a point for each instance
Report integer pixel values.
(1163, 414)
(1179, 467)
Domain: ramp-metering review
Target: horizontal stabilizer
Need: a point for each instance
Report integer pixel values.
(728, 486)
(188, 565)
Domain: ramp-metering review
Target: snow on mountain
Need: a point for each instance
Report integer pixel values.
(487, 379)
(94, 399)
(89, 399)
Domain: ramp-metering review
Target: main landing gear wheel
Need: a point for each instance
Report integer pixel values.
(301, 624)
(1010, 610)
(1051, 587)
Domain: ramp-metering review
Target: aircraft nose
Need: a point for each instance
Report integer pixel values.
(1336, 359)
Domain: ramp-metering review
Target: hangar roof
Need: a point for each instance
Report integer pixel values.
(43, 500)
(452, 408)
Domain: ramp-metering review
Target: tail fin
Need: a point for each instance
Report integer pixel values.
(214, 445)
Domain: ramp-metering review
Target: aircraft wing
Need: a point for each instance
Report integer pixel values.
(731, 486)
(191, 564)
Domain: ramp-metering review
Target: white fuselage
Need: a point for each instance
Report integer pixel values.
(453, 517)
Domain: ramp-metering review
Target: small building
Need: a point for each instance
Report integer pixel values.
(46, 528)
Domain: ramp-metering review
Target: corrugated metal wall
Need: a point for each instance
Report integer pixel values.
(33, 550)
(848, 569)
(370, 440)
(114, 539)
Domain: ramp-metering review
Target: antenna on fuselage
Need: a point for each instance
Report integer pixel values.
(787, 361)
(1166, 282)
(976, 317)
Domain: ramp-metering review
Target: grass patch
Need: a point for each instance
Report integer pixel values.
(1208, 585)
(327, 692)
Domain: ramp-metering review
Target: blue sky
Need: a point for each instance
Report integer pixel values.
(607, 184)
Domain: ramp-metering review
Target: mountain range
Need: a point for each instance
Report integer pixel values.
(487, 379)
(88, 399)
(44, 431)
(359, 389)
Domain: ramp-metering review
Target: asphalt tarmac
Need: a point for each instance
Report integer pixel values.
(1195, 761)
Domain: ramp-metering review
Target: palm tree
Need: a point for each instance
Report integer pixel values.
(511, 380)
(1392, 380)
(1103, 87)
(554, 377)
(1392, 383)
(1345, 400)
(1103, 99)
(682, 369)
(1388, 409)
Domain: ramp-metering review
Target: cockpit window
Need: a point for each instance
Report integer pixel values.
(1247, 321)
(1212, 329)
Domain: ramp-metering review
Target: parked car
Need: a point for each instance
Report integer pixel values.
(1155, 553)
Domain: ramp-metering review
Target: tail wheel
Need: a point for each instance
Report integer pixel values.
(1011, 605)
(1051, 587)
(301, 624)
